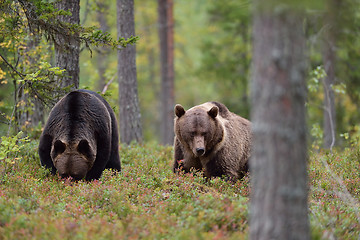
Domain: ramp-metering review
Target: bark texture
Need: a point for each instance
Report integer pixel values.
(67, 46)
(278, 91)
(166, 36)
(130, 117)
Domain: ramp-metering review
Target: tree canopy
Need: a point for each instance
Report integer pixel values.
(213, 51)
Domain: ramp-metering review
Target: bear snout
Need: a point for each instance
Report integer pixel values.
(200, 151)
(199, 146)
(72, 165)
(74, 175)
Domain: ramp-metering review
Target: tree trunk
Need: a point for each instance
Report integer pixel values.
(67, 47)
(329, 59)
(278, 164)
(130, 118)
(101, 59)
(329, 99)
(166, 35)
(30, 110)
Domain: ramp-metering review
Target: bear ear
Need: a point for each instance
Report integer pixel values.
(213, 112)
(179, 110)
(83, 147)
(59, 147)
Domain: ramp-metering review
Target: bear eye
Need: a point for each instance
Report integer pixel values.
(83, 147)
(59, 147)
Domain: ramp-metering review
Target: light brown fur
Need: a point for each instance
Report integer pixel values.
(210, 137)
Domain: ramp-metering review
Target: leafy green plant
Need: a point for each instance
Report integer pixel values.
(316, 77)
(28, 30)
(334, 194)
(317, 135)
(10, 147)
(147, 200)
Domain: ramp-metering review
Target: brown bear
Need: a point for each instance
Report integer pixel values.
(210, 137)
(80, 138)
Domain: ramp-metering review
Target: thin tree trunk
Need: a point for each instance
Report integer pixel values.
(166, 35)
(130, 118)
(329, 98)
(278, 164)
(67, 48)
(30, 110)
(103, 9)
(329, 59)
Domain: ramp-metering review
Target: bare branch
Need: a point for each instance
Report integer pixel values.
(12, 67)
(107, 85)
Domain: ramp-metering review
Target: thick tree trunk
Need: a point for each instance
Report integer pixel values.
(130, 118)
(278, 164)
(67, 47)
(166, 35)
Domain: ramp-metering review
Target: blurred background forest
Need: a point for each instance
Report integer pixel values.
(212, 56)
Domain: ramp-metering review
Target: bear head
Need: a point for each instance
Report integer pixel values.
(199, 129)
(73, 159)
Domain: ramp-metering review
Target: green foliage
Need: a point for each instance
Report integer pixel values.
(345, 108)
(213, 50)
(227, 53)
(11, 146)
(28, 28)
(316, 78)
(147, 200)
(42, 82)
(10, 149)
(279, 6)
(43, 18)
(335, 195)
(316, 133)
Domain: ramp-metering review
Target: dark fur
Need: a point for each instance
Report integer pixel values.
(80, 138)
(212, 138)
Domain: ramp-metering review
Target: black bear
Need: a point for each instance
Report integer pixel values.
(80, 138)
(210, 137)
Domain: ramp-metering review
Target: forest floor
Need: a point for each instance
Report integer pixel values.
(148, 201)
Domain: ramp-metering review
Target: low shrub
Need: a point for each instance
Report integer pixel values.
(147, 200)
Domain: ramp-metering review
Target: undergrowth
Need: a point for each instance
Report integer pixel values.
(148, 201)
